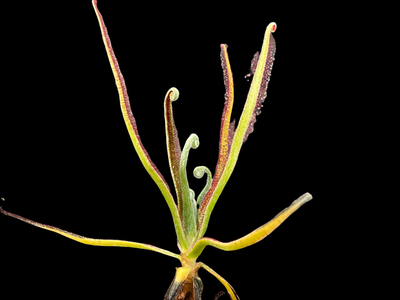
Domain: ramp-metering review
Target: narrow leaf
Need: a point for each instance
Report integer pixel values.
(90, 241)
(173, 145)
(226, 131)
(252, 107)
(133, 132)
(253, 237)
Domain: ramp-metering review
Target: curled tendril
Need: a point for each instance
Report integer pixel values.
(198, 172)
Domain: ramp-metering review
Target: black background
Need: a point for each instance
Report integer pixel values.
(67, 159)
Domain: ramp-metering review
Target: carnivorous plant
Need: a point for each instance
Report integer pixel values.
(191, 213)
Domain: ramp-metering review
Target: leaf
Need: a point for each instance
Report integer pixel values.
(226, 131)
(90, 241)
(253, 237)
(256, 96)
(173, 145)
(133, 132)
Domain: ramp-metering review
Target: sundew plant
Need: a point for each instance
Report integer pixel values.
(190, 212)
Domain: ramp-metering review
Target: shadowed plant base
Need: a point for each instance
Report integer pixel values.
(191, 214)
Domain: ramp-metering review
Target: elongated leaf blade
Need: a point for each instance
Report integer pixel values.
(253, 237)
(90, 241)
(133, 132)
(226, 132)
(173, 145)
(252, 107)
(227, 128)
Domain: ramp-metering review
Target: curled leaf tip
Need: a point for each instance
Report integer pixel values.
(198, 172)
(193, 142)
(173, 94)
